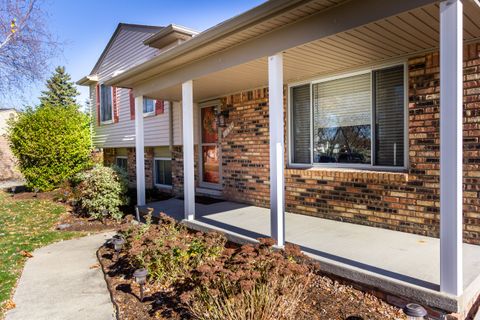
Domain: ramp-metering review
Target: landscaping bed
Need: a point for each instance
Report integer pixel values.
(194, 275)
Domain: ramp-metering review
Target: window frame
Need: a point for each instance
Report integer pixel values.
(100, 104)
(121, 157)
(159, 185)
(359, 166)
(150, 113)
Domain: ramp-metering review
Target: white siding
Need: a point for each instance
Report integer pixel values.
(126, 51)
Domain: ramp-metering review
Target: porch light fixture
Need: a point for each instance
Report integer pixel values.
(221, 118)
(118, 242)
(414, 311)
(140, 276)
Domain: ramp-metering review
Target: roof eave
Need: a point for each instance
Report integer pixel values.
(87, 80)
(219, 31)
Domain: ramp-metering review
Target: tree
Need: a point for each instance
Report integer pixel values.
(61, 90)
(52, 141)
(26, 45)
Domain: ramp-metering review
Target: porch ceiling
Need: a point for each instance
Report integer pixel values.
(380, 42)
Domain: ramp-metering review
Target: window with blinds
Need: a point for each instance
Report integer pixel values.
(341, 120)
(357, 120)
(105, 103)
(389, 116)
(301, 124)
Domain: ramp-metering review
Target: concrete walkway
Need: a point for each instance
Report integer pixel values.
(60, 283)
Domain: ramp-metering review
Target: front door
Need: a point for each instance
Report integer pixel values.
(209, 148)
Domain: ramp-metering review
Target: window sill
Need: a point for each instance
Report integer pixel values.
(163, 186)
(106, 122)
(149, 114)
(391, 174)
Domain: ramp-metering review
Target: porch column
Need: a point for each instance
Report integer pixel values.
(188, 151)
(451, 153)
(139, 151)
(275, 111)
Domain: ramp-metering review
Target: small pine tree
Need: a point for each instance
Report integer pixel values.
(61, 90)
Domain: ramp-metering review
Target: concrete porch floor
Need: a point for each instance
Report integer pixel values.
(399, 263)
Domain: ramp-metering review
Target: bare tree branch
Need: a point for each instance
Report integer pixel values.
(27, 45)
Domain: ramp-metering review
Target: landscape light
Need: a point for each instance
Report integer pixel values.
(117, 245)
(140, 276)
(35, 190)
(13, 190)
(414, 311)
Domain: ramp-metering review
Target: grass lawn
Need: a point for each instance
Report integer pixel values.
(24, 226)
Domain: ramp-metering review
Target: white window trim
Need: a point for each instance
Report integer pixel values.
(159, 185)
(100, 102)
(151, 113)
(370, 166)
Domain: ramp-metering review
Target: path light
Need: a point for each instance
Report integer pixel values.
(354, 318)
(118, 242)
(140, 276)
(414, 311)
(35, 190)
(13, 190)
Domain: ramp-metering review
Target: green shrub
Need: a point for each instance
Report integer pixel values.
(51, 143)
(100, 191)
(169, 251)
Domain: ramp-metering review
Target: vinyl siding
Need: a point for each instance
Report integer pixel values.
(126, 51)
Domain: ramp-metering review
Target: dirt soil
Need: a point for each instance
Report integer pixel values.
(327, 299)
(73, 222)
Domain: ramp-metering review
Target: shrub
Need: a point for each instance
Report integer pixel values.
(169, 251)
(52, 141)
(100, 191)
(253, 282)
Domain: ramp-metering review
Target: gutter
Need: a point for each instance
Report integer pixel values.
(224, 29)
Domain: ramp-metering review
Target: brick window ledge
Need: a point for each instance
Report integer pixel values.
(348, 173)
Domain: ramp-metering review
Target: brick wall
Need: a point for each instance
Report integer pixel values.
(405, 201)
(109, 155)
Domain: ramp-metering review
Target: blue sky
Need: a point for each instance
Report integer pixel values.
(85, 26)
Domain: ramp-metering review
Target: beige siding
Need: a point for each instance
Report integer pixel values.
(177, 123)
(126, 51)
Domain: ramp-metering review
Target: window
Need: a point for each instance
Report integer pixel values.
(148, 106)
(106, 107)
(354, 121)
(163, 172)
(122, 162)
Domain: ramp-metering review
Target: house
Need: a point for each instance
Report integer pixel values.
(326, 109)
(8, 170)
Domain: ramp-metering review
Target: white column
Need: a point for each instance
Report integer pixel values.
(275, 110)
(139, 151)
(451, 140)
(188, 154)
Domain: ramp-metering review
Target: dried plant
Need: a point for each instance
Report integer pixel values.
(253, 282)
(169, 251)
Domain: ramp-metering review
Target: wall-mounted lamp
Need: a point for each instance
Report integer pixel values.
(221, 117)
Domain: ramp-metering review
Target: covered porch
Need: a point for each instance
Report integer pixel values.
(402, 264)
(284, 43)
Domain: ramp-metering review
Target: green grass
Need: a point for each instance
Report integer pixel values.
(24, 225)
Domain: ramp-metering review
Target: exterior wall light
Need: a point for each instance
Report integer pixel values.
(140, 276)
(221, 117)
(414, 311)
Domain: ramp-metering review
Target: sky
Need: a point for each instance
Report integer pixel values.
(85, 26)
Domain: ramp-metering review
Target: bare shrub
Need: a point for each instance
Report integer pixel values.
(253, 282)
(169, 251)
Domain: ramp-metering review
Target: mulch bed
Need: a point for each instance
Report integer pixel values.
(74, 222)
(326, 299)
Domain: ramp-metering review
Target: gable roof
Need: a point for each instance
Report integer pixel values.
(120, 26)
